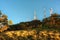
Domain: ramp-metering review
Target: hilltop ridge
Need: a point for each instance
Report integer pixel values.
(49, 22)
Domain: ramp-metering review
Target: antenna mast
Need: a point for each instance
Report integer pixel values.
(44, 13)
(35, 16)
(51, 11)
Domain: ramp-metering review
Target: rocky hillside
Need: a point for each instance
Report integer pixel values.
(52, 22)
(47, 29)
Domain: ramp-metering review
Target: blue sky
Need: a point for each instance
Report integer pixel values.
(23, 10)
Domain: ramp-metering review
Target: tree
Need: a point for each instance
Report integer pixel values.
(10, 22)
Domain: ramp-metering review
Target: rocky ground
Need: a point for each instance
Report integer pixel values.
(30, 35)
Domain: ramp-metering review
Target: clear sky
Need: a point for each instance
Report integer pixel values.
(23, 10)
